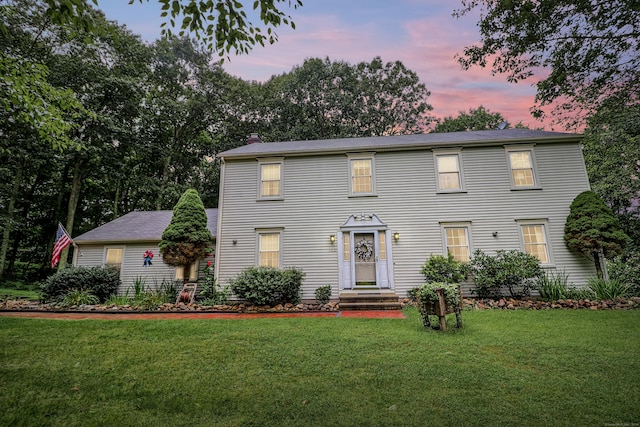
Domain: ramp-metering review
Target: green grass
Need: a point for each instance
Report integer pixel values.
(503, 368)
(11, 293)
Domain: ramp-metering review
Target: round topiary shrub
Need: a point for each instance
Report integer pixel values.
(101, 282)
(268, 285)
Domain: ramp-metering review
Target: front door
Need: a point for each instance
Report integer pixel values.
(364, 259)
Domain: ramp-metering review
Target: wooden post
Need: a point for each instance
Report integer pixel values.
(442, 309)
(459, 309)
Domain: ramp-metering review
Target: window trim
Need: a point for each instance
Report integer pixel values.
(466, 225)
(267, 231)
(106, 252)
(534, 168)
(270, 161)
(461, 181)
(543, 222)
(362, 156)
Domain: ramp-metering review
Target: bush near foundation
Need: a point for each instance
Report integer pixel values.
(512, 272)
(268, 285)
(101, 282)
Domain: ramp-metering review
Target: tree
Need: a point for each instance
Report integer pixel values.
(612, 156)
(323, 99)
(186, 238)
(220, 25)
(589, 47)
(593, 230)
(478, 119)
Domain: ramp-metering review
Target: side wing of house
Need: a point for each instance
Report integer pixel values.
(370, 218)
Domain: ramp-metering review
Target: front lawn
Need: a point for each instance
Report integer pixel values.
(554, 367)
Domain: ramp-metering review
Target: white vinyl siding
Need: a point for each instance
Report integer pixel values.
(407, 201)
(361, 175)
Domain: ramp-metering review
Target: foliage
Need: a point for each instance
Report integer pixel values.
(222, 26)
(212, 292)
(608, 289)
(149, 300)
(444, 269)
(477, 119)
(101, 282)
(323, 99)
(268, 285)
(426, 293)
(591, 227)
(611, 148)
(553, 285)
(79, 297)
(186, 238)
(577, 294)
(589, 47)
(626, 269)
(513, 271)
(323, 294)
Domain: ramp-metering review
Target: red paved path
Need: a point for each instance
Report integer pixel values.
(364, 314)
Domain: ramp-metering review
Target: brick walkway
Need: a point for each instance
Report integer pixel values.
(363, 314)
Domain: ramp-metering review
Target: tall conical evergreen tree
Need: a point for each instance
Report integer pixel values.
(592, 229)
(186, 238)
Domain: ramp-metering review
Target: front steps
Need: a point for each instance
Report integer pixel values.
(373, 299)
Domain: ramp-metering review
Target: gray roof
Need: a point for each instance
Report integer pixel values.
(399, 142)
(139, 226)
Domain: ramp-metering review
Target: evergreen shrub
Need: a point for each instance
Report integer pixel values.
(512, 271)
(100, 282)
(323, 294)
(268, 285)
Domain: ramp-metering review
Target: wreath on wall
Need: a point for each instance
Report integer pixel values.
(364, 249)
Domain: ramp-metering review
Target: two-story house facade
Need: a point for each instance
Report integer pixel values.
(366, 213)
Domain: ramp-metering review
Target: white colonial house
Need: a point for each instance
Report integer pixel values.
(366, 213)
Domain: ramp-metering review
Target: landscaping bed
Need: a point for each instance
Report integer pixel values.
(469, 304)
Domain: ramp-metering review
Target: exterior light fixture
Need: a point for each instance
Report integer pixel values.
(332, 238)
(396, 236)
(494, 234)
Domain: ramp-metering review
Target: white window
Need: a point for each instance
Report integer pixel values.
(449, 177)
(362, 176)
(534, 240)
(192, 269)
(113, 258)
(270, 173)
(522, 167)
(456, 240)
(269, 249)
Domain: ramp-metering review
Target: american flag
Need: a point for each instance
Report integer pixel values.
(62, 241)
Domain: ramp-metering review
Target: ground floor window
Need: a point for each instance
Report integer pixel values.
(191, 269)
(113, 258)
(456, 239)
(269, 249)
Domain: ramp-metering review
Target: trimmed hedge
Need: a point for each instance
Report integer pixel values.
(268, 285)
(101, 282)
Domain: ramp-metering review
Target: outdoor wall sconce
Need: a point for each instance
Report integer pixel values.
(494, 234)
(396, 236)
(235, 242)
(332, 238)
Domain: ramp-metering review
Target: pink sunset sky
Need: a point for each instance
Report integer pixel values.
(421, 33)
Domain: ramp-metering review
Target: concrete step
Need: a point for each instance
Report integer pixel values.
(369, 300)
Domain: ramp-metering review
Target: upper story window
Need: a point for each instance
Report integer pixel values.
(270, 171)
(362, 176)
(449, 176)
(522, 167)
(456, 239)
(113, 258)
(534, 240)
(269, 249)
